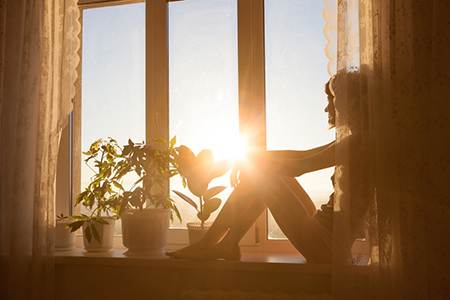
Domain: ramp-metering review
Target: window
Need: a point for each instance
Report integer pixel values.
(206, 71)
(203, 83)
(296, 72)
(113, 78)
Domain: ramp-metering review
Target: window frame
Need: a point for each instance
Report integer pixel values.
(252, 120)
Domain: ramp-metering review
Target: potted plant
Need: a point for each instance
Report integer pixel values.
(146, 208)
(64, 237)
(197, 172)
(101, 197)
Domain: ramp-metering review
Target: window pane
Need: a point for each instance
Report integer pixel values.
(296, 72)
(113, 79)
(203, 82)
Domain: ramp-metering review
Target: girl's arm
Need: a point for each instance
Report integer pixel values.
(317, 161)
(295, 154)
(293, 167)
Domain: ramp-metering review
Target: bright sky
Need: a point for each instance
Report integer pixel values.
(204, 78)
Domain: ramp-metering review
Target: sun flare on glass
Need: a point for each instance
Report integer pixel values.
(231, 148)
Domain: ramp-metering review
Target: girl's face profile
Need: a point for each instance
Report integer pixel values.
(330, 109)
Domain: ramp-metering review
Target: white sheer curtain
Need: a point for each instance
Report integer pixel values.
(393, 128)
(38, 59)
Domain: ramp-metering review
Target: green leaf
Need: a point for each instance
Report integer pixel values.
(80, 217)
(87, 153)
(203, 216)
(126, 150)
(172, 173)
(185, 160)
(74, 226)
(198, 186)
(117, 185)
(95, 233)
(213, 191)
(87, 232)
(112, 140)
(61, 217)
(173, 141)
(177, 212)
(81, 197)
(219, 169)
(95, 146)
(110, 158)
(205, 158)
(212, 205)
(187, 199)
(100, 220)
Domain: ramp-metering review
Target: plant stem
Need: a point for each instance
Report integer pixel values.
(92, 169)
(201, 212)
(94, 211)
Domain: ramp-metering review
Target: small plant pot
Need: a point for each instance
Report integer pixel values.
(196, 231)
(64, 238)
(105, 232)
(144, 231)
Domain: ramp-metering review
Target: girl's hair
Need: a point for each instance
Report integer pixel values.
(329, 86)
(345, 88)
(329, 90)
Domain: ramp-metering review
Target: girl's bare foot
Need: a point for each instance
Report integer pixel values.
(196, 251)
(224, 251)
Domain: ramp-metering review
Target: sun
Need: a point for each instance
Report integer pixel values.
(231, 148)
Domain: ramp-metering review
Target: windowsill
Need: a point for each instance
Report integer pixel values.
(248, 262)
(171, 278)
(160, 277)
(266, 258)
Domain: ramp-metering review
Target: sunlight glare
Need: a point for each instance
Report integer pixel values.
(230, 148)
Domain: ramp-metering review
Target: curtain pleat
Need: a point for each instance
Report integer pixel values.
(39, 55)
(399, 82)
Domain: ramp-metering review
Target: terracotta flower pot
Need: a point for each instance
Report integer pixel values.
(196, 231)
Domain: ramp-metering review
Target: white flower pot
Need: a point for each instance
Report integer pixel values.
(105, 231)
(196, 231)
(144, 231)
(64, 238)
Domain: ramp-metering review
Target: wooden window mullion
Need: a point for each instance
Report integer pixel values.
(252, 91)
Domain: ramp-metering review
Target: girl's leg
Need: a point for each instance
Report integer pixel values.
(291, 207)
(228, 247)
(239, 212)
(290, 210)
(241, 208)
(245, 216)
(293, 189)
